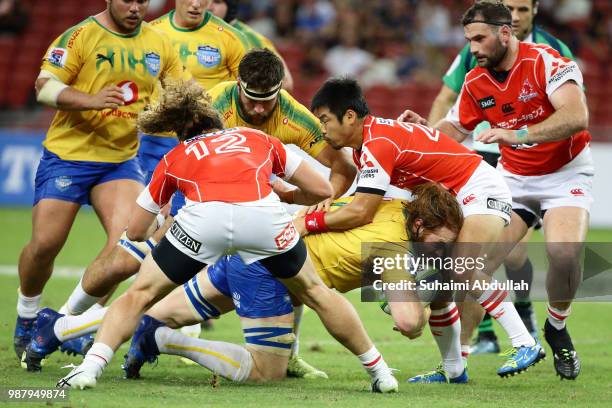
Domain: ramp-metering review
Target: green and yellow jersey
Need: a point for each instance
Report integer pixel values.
(337, 254)
(90, 57)
(290, 122)
(211, 52)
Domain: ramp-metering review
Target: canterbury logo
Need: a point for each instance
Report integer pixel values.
(577, 192)
(469, 199)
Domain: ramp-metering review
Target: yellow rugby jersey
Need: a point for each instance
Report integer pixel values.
(211, 52)
(337, 255)
(290, 122)
(89, 57)
(255, 39)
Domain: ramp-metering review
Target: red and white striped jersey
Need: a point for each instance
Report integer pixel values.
(521, 100)
(406, 155)
(232, 165)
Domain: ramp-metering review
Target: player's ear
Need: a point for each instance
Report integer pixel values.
(350, 116)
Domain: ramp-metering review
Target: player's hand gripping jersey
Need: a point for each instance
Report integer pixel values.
(231, 166)
(406, 155)
(521, 100)
(90, 57)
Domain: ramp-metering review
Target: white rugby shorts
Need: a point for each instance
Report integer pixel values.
(486, 193)
(570, 186)
(254, 230)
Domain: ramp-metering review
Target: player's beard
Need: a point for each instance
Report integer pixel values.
(121, 23)
(496, 58)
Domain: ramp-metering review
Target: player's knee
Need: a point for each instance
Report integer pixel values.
(122, 265)
(411, 326)
(140, 298)
(564, 256)
(44, 249)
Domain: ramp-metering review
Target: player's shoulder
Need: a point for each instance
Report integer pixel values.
(297, 114)
(76, 33)
(225, 29)
(222, 93)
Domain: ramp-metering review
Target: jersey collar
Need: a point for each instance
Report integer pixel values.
(207, 16)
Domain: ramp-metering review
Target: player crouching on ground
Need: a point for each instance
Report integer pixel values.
(265, 310)
(225, 177)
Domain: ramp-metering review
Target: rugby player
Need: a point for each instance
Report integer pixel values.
(210, 50)
(227, 10)
(517, 264)
(262, 304)
(406, 155)
(98, 74)
(232, 209)
(545, 155)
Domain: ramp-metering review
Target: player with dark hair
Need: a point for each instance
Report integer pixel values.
(98, 75)
(405, 155)
(230, 207)
(517, 264)
(545, 155)
(228, 11)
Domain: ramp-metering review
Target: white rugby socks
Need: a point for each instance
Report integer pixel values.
(27, 307)
(79, 301)
(446, 329)
(229, 360)
(557, 317)
(97, 359)
(497, 304)
(71, 327)
(374, 363)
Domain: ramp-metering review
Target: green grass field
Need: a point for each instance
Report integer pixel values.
(173, 384)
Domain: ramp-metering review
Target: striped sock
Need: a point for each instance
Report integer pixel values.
(373, 362)
(465, 351)
(496, 303)
(556, 317)
(446, 329)
(71, 327)
(97, 358)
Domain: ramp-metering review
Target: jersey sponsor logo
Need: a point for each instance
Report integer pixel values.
(369, 173)
(181, 236)
(118, 113)
(316, 140)
(560, 71)
(527, 92)
(382, 121)
(130, 91)
(467, 200)
(577, 192)
(152, 62)
(57, 57)
(526, 117)
(73, 37)
(110, 58)
(508, 109)
(208, 56)
(286, 236)
(63, 182)
(486, 103)
(501, 206)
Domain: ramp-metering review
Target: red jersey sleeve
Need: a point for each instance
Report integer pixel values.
(284, 161)
(160, 189)
(376, 164)
(466, 114)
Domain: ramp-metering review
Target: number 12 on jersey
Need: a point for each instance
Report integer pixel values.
(230, 143)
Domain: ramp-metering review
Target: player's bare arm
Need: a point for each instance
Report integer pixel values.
(358, 212)
(449, 129)
(71, 99)
(442, 104)
(343, 171)
(312, 186)
(571, 116)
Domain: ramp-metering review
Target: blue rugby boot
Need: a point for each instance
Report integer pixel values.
(439, 376)
(23, 334)
(143, 347)
(44, 341)
(79, 346)
(520, 359)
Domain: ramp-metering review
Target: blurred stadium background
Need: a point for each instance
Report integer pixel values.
(399, 50)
